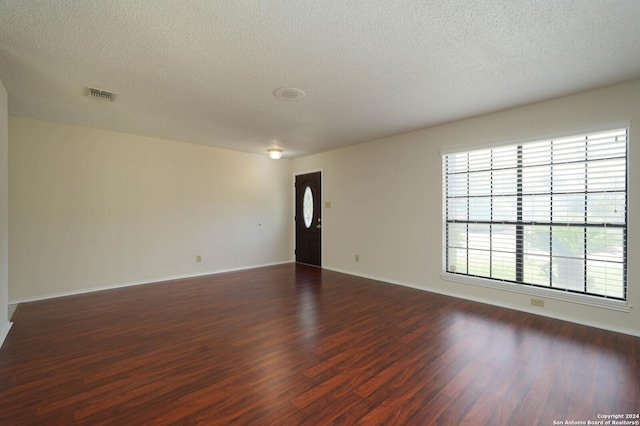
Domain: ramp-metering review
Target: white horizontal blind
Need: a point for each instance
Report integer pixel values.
(551, 213)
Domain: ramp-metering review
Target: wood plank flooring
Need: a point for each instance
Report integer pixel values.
(292, 345)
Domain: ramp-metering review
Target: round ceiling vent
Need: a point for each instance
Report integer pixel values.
(289, 94)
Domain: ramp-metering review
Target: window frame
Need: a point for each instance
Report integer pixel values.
(619, 304)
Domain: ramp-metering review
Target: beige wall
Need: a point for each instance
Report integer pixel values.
(93, 209)
(4, 216)
(386, 199)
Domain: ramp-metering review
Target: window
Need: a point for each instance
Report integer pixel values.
(307, 207)
(549, 214)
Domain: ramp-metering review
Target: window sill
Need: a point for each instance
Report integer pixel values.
(615, 305)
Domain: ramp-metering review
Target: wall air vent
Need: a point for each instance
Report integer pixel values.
(100, 94)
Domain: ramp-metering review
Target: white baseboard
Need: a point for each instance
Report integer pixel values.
(134, 283)
(629, 331)
(581, 321)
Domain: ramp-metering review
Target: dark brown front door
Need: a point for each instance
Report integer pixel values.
(308, 219)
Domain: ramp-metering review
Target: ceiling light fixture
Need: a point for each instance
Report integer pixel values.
(275, 153)
(289, 94)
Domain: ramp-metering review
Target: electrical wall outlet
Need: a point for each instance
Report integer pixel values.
(198, 258)
(357, 258)
(537, 302)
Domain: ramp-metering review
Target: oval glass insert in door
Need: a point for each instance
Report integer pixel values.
(307, 207)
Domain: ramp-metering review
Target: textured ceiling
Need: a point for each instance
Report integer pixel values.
(204, 71)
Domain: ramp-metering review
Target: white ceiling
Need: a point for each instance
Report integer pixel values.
(204, 71)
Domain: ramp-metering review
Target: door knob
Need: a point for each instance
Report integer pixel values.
(319, 226)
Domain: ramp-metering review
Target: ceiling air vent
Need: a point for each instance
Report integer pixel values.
(100, 94)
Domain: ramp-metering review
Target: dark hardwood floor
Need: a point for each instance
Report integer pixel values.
(293, 344)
